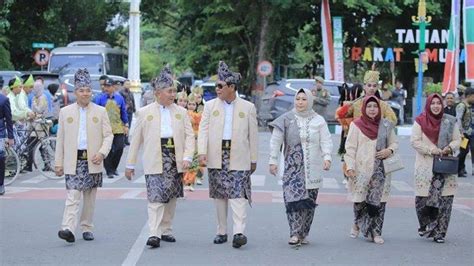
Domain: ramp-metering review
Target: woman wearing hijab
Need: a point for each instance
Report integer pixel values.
(434, 133)
(307, 150)
(39, 103)
(370, 140)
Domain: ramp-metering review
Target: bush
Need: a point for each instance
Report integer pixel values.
(431, 88)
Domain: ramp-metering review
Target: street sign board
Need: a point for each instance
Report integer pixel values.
(43, 45)
(42, 57)
(264, 68)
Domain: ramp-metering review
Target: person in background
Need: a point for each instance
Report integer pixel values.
(148, 96)
(322, 97)
(182, 99)
(27, 89)
(465, 121)
(129, 104)
(6, 136)
(194, 173)
(399, 95)
(47, 94)
(20, 115)
(385, 92)
(198, 92)
(371, 84)
(117, 111)
(102, 82)
(450, 108)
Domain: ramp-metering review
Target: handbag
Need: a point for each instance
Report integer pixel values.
(445, 165)
(392, 164)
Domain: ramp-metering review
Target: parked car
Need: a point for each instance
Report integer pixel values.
(48, 77)
(66, 92)
(279, 96)
(209, 91)
(7, 75)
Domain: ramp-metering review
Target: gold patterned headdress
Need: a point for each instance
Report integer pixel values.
(182, 95)
(371, 76)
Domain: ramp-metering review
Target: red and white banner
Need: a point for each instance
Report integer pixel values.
(328, 46)
(469, 38)
(451, 68)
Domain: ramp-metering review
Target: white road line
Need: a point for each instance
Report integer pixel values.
(132, 194)
(401, 186)
(137, 249)
(330, 183)
(62, 181)
(258, 180)
(464, 209)
(35, 180)
(140, 180)
(113, 180)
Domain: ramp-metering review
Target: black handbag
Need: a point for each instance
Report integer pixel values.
(447, 165)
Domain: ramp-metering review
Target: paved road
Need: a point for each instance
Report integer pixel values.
(31, 211)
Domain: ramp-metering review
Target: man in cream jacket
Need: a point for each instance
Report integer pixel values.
(227, 145)
(169, 143)
(83, 141)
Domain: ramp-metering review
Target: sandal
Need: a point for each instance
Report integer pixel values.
(378, 240)
(293, 240)
(354, 231)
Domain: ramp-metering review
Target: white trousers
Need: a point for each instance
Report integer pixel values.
(71, 210)
(239, 215)
(160, 217)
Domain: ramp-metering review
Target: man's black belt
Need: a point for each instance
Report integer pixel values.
(167, 143)
(81, 155)
(226, 144)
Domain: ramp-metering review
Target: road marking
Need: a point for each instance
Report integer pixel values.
(132, 194)
(402, 186)
(113, 180)
(330, 183)
(280, 182)
(140, 180)
(62, 181)
(258, 180)
(464, 209)
(35, 180)
(137, 249)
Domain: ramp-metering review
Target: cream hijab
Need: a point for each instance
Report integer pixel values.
(309, 109)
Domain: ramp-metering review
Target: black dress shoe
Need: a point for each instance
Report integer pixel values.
(153, 241)
(220, 239)
(110, 175)
(67, 235)
(239, 240)
(462, 174)
(168, 238)
(115, 173)
(88, 236)
(439, 240)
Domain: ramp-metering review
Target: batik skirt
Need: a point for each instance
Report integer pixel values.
(168, 185)
(83, 180)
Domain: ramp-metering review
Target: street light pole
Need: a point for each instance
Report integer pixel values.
(134, 53)
(421, 21)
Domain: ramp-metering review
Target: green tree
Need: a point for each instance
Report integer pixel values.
(59, 22)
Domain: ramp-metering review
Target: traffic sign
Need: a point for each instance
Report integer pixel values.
(43, 45)
(42, 57)
(264, 68)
